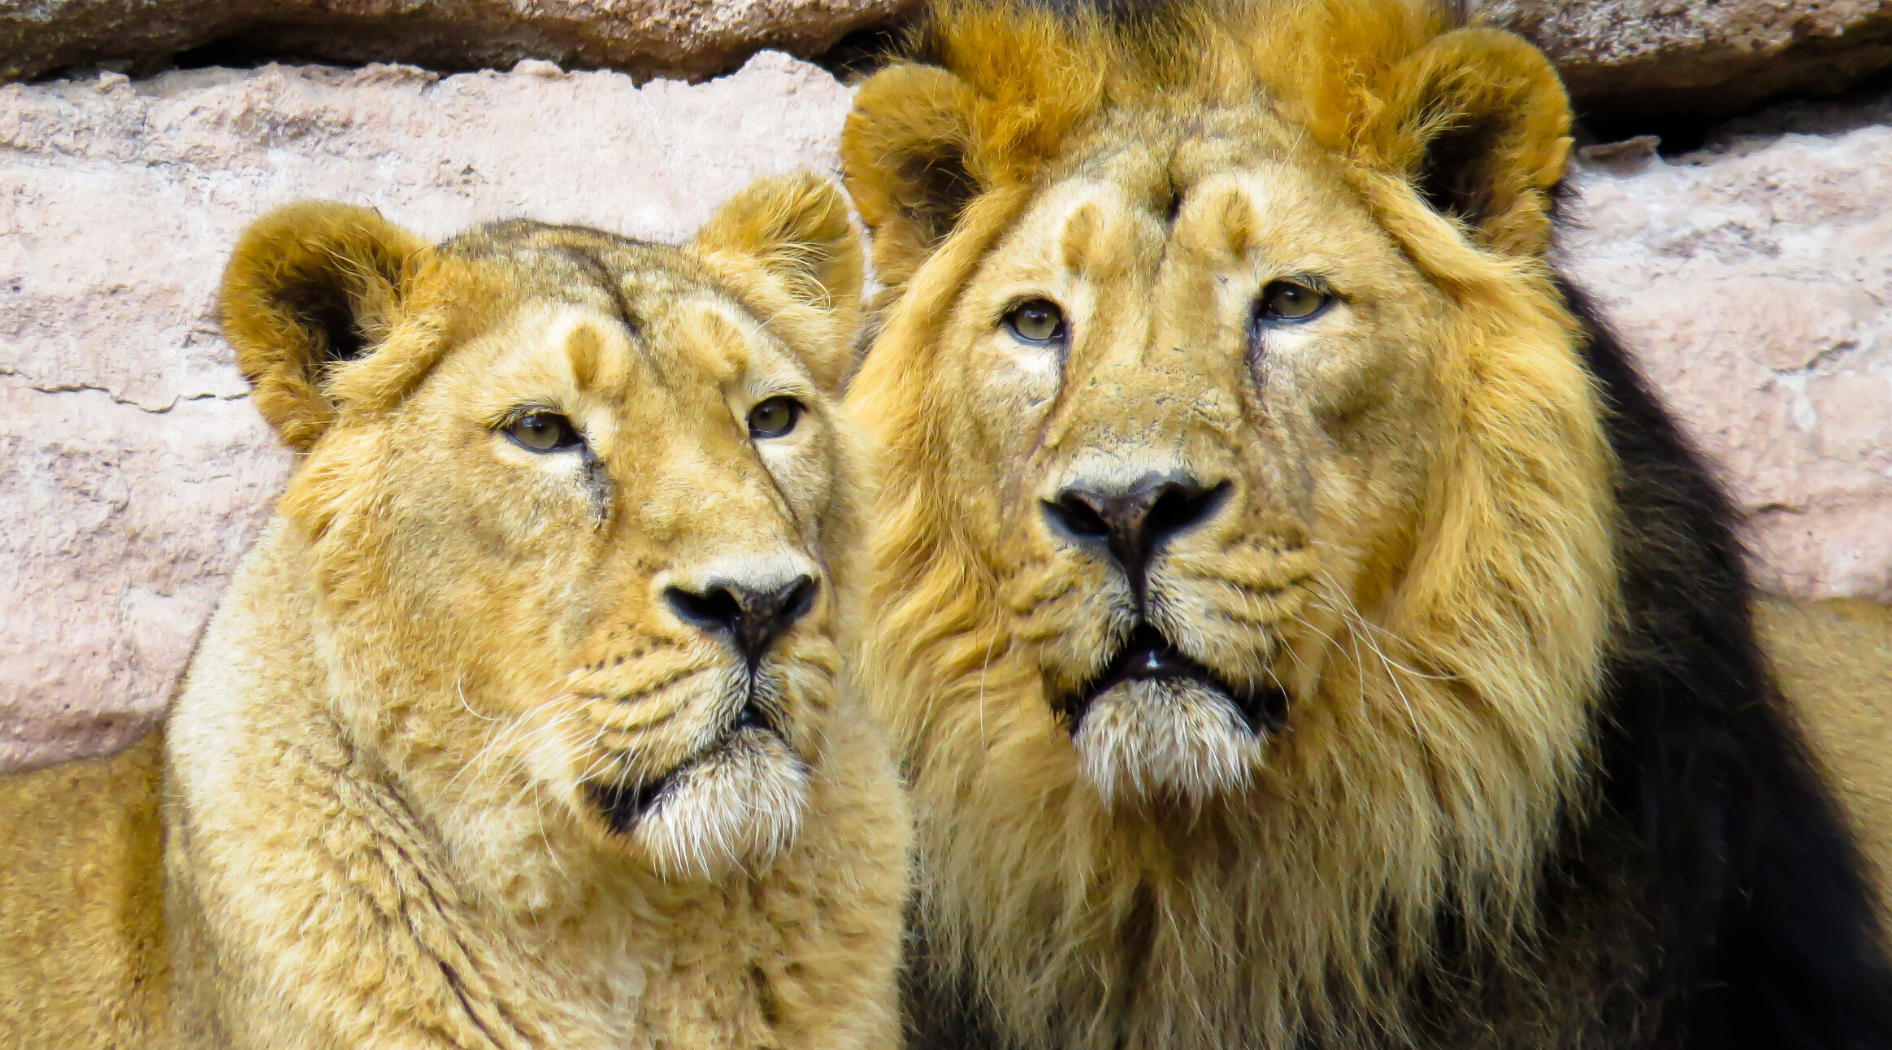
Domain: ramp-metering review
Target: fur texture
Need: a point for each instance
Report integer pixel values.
(1407, 556)
(83, 964)
(479, 749)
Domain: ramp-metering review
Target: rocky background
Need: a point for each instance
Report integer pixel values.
(1730, 213)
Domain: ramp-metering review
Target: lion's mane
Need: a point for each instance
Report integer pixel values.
(1455, 843)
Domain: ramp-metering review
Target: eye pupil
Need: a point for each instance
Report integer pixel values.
(543, 432)
(1290, 301)
(1037, 321)
(774, 418)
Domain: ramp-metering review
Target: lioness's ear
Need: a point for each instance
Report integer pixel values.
(795, 230)
(1479, 122)
(310, 286)
(905, 153)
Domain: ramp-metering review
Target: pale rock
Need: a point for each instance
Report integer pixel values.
(133, 472)
(1700, 56)
(1752, 279)
(685, 38)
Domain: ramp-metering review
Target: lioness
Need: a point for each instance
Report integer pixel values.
(522, 725)
(1300, 624)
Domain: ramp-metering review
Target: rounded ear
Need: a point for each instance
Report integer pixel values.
(1478, 122)
(310, 286)
(794, 231)
(905, 153)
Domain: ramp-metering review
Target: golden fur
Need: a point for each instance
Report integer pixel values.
(1416, 545)
(82, 959)
(1834, 659)
(452, 767)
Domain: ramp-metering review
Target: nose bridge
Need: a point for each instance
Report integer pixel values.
(702, 496)
(1147, 393)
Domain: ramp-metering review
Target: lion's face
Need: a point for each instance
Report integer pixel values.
(599, 518)
(647, 591)
(1193, 421)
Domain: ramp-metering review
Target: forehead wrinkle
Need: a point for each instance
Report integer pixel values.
(716, 341)
(584, 345)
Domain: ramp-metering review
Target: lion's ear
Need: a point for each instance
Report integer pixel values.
(1479, 122)
(905, 152)
(310, 286)
(796, 230)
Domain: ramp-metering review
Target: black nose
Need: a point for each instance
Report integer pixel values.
(752, 616)
(1132, 520)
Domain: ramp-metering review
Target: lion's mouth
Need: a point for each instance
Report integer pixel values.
(1148, 656)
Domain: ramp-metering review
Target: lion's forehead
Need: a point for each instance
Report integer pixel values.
(650, 335)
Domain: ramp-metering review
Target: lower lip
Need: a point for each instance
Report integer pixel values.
(1264, 712)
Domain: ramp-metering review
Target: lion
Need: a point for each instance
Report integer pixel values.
(524, 723)
(1299, 624)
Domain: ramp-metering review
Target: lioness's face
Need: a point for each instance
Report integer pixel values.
(572, 514)
(619, 517)
(1192, 420)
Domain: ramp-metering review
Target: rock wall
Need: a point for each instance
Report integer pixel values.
(1700, 56)
(689, 38)
(1751, 276)
(1618, 56)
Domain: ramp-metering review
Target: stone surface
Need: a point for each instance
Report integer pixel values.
(1700, 56)
(690, 38)
(1753, 279)
(132, 470)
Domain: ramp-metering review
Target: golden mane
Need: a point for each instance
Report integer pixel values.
(1458, 707)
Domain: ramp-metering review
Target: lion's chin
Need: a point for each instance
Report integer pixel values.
(740, 804)
(1178, 739)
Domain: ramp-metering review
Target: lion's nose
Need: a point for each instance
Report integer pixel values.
(1132, 520)
(751, 614)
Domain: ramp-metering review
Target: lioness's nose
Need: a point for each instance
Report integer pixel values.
(751, 613)
(1132, 520)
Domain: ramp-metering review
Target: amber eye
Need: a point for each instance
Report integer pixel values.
(1290, 301)
(543, 432)
(1037, 321)
(774, 417)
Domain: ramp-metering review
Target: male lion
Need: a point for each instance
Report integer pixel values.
(521, 725)
(1300, 624)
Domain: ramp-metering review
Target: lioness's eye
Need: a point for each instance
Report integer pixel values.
(543, 432)
(1290, 301)
(1037, 321)
(774, 417)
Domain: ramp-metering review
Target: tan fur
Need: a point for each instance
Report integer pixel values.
(383, 826)
(1834, 659)
(1417, 544)
(82, 956)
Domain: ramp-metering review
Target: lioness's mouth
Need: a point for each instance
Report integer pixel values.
(737, 802)
(624, 804)
(1148, 656)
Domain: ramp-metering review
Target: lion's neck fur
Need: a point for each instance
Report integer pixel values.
(1299, 910)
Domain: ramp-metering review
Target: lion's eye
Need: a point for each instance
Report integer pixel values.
(774, 417)
(543, 432)
(1037, 321)
(1290, 301)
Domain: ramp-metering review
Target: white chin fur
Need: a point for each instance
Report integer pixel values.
(1180, 740)
(740, 805)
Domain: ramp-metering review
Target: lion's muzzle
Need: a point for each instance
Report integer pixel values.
(1157, 722)
(1152, 720)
